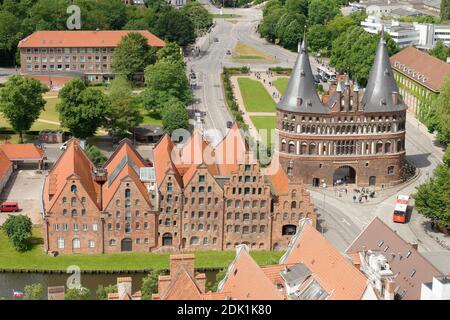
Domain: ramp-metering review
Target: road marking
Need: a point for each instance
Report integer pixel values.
(346, 222)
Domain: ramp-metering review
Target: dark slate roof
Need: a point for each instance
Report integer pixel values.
(378, 94)
(297, 274)
(301, 94)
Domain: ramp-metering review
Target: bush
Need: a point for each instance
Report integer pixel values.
(150, 284)
(34, 292)
(77, 294)
(18, 229)
(102, 292)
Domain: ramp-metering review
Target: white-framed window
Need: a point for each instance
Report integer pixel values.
(56, 227)
(64, 227)
(85, 227)
(60, 243)
(94, 227)
(75, 227)
(91, 244)
(76, 244)
(112, 242)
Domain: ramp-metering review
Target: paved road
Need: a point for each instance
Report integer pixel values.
(340, 218)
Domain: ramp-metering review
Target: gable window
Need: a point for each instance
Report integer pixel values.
(73, 188)
(127, 193)
(201, 178)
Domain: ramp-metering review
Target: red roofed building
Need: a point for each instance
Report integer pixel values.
(189, 198)
(84, 53)
(182, 283)
(6, 168)
(23, 152)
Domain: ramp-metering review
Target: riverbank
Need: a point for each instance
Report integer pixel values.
(36, 260)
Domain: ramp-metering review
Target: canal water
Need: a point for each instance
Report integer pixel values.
(17, 281)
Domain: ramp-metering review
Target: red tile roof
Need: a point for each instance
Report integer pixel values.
(18, 152)
(377, 236)
(245, 280)
(335, 273)
(433, 69)
(124, 151)
(83, 39)
(73, 162)
(231, 151)
(5, 165)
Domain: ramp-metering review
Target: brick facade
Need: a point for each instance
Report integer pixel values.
(189, 207)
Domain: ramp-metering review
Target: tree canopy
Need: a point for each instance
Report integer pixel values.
(169, 78)
(322, 11)
(132, 55)
(432, 198)
(34, 292)
(18, 230)
(354, 51)
(123, 114)
(21, 102)
(440, 51)
(96, 155)
(174, 115)
(199, 16)
(440, 110)
(82, 109)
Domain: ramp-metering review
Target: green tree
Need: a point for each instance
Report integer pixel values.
(47, 15)
(432, 198)
(445, 9)
(441, 108)
(170, 78)
(102, 292)
(198, 15)
(150, 285)
(268, 25)
(440, 51)
(173, 25)
(77, 294)
(319, 38)
(297, 6)
(21, 102)
(82, 109)
(292, 35)
(123, 114)
(174, 116)
(153, 99)
(96, 155)
(171, 52)
(354, 51)
(322, 11)
(339, 25)
(10, 32)
(34, 292)
(18, 230)
(132, 55)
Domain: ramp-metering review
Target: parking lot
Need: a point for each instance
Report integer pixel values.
(24, 187)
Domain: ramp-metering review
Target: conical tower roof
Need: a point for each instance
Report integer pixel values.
(381, 84)
(301, 94)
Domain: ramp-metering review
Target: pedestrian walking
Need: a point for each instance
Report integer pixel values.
(354, 198)
(345, 191)
(432, 225)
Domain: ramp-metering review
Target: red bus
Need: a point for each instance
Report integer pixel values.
(401, 207)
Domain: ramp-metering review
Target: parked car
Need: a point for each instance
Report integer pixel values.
(317, 78)
(9, 207)
(216, 39)
(63, 146)
(229, 124)
(228, 52)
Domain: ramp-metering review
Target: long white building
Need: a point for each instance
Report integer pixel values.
(422, 35)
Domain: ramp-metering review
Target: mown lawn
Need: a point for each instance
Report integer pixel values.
(36, 259)
(262, 123)
(152, 117)
(255, 96)
(49, 114)
(281, 84)
(246, 53)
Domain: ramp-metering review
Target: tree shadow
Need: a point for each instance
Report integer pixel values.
(419, 160)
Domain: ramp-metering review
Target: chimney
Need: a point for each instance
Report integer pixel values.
(415, 246)
(389, 289)
(123, 287)
(201, 281)
(179, 261)
(163, 284)
(394, 97)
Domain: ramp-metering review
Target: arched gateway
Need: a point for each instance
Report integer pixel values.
(345, 174)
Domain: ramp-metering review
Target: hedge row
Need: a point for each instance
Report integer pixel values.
(229, 95)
